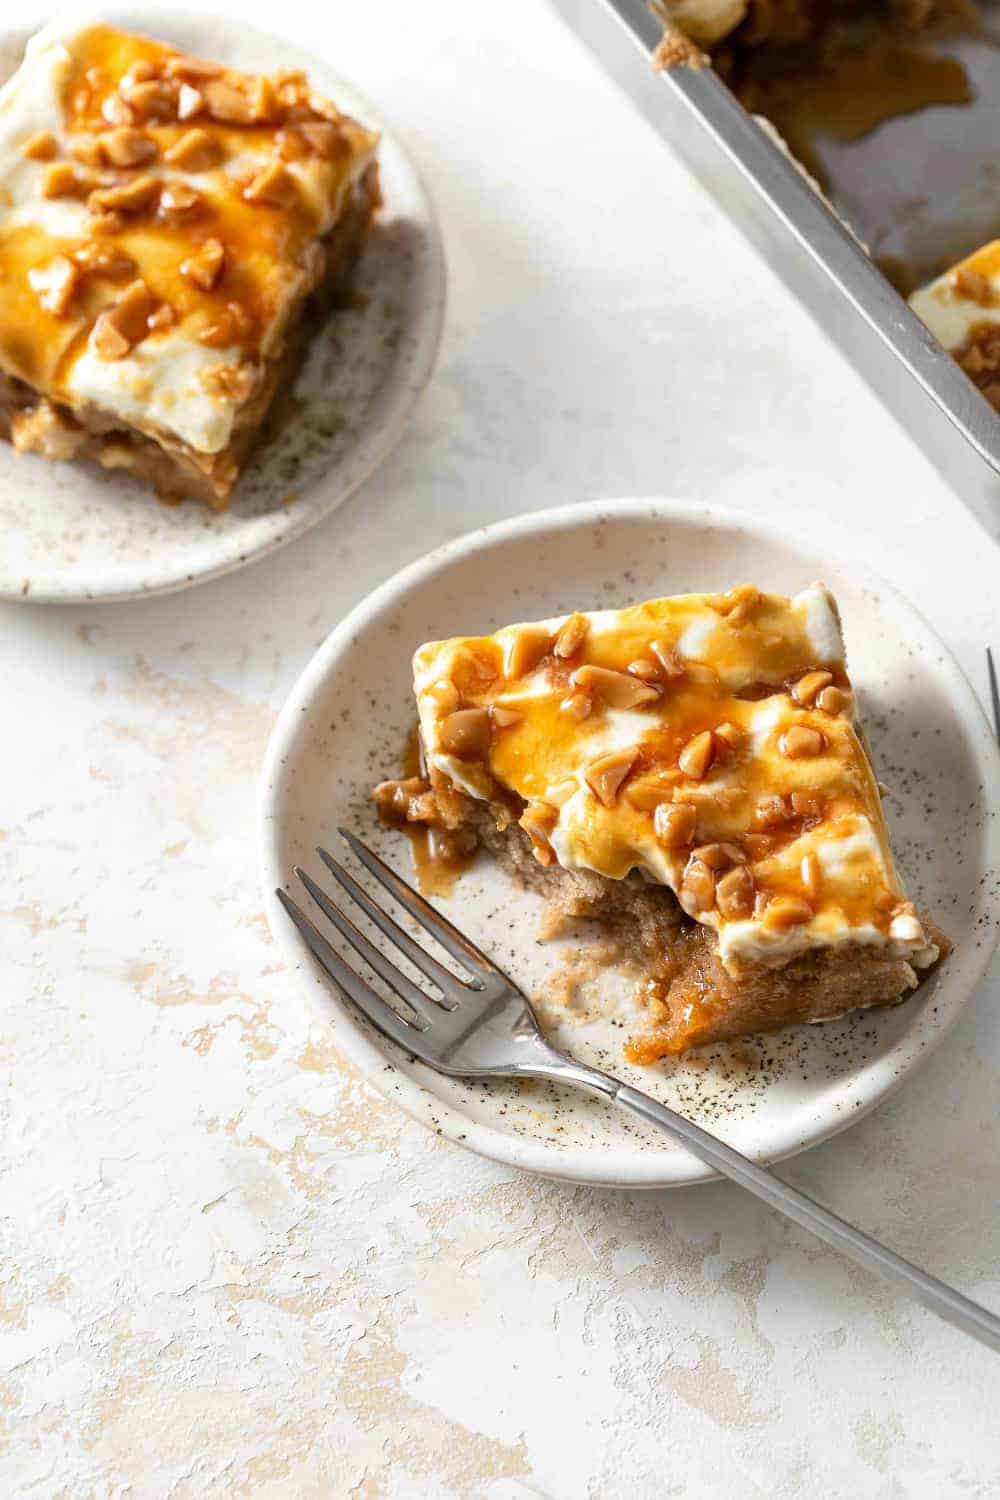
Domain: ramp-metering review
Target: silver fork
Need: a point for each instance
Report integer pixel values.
(483, 1027)
(991, 673)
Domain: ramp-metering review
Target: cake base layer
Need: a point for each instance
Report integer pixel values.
(688, 998)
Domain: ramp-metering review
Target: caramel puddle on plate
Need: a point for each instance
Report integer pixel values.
(437, 867)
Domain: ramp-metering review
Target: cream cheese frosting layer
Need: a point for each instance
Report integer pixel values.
(709, 741)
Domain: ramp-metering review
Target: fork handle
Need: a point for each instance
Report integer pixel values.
(934, 1294)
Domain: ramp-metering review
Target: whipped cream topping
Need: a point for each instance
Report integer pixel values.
(786, 797)
(174, 384)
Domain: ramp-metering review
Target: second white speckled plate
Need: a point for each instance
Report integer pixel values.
(69, 534)
(347, 719)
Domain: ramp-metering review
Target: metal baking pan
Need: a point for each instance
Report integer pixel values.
(805, 242)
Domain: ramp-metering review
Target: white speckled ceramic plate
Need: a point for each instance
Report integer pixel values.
(343, 729)
(71, 533)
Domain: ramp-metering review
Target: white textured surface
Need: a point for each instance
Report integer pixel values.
(228, 1269)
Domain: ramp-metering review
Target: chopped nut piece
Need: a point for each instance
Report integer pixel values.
(538, 820)
(616, 689)
(150, 101)
(506, 718)
(274, 186)
(227, 104)
(832, 701)
(106, 223)
(787, 911)
(800, 740)
(577, 705)
(236, 383)
(127, 198)
(674, 824)
(466, 732)
(116, 111)
(737, 604)
(264, 102)
(189, 102)
(646, 671)
(697, 891)
(804, 806)
(290, 145)
(126, 146)
(605, 775)
(183, 66)
(571, 636)
(759, 845)
(811, 875)
(696, 758)
(87, 149)
(55, 284)
(323, 107)
(124, 324)
(141, 71)
(103, 260)
(230, 324)
(672, 664)
(734, 894)
(445, 695)
(906, 927)
(42, 146)
(178, 200)
(204, 268)
(649, 792)
(731, 735)
(163, 317)
(325, 139)
(64, 181)
(972, 284)
(771, 811)
(107, 341)
(804, 691)
(525, 649)
(42, 429)
(720, 856)
(195, 151)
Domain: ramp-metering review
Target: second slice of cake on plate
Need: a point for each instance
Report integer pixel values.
(690, 772)
(165, 223)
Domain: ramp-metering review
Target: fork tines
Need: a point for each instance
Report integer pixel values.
(449, 986)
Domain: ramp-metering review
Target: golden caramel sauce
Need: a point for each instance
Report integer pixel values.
(767, 651)
(437, 861)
